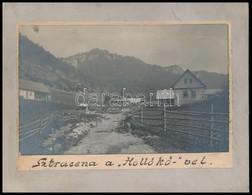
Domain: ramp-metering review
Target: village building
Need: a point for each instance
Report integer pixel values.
(165, 97)
(31, 90)
(133, 100)
(211, 92)
(188, 89)
(127, 101)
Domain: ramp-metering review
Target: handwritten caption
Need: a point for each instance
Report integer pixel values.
(128, 162)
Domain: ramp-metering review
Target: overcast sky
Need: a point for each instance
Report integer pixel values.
(193, 46)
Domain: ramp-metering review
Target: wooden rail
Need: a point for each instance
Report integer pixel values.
(146, 115)
(36, 127)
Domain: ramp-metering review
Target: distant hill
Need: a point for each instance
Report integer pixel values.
(175, 69)
(37, 64)
(114, 71)
(213, 80)
(100, 70)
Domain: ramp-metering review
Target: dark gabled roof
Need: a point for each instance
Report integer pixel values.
(33, 86)
(187, 70)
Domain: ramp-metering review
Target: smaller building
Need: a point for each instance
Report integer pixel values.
(165, 96)
(134, 100)
(211, 92)
(127, 101)
(31, 90)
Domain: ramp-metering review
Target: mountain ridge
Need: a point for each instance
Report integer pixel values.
(99, 69)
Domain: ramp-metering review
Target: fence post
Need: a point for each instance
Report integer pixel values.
(211, 126)
(164, 117)
(141, 116)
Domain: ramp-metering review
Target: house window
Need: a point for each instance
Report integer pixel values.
(30, 93)
(26, 94)
(185, 81)
(185, 94)
(190, 80)
(193, 93)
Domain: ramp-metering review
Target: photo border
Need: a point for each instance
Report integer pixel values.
(215, 159)
(235, 179)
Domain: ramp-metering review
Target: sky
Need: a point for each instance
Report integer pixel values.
(193, 46)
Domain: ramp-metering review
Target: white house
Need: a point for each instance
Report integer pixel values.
(33, 91)
(188, 89)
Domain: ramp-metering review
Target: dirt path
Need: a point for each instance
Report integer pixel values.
(103, 139)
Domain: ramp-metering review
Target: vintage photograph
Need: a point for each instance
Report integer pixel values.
(125, 97)
(123, 89)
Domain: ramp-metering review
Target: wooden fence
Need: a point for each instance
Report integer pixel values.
(36, 127)
(159, 118)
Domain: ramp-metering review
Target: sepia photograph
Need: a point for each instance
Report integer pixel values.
(125, 97)
(123, 88)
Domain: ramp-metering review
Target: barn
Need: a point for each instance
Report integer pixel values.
(31, 90)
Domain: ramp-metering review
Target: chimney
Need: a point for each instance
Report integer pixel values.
(197, 74)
